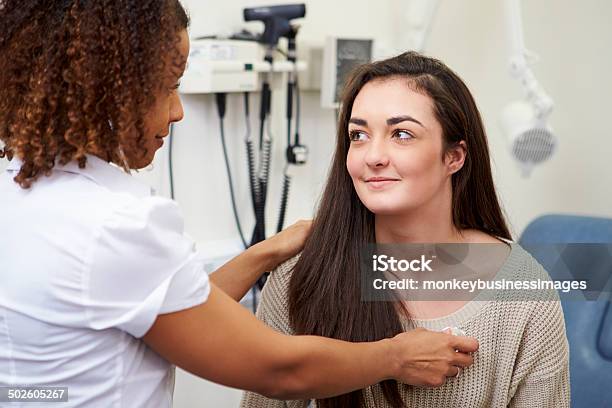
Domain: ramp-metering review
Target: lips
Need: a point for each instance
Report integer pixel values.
(377, 179)
(378, 183)
(160, 140)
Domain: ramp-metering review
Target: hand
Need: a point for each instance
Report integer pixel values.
(425, 358)
(287, 243)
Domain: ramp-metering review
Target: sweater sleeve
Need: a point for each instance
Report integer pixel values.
(541, 374)
(273, 310)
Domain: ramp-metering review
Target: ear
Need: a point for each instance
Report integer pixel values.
(455, 157)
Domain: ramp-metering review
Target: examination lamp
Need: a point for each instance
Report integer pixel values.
(277, 24)
(525, 122)
(276, 20)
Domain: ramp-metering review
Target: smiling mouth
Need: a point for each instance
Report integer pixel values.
(378, 179)
(380, 182)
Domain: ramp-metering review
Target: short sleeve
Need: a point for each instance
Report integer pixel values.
(141, 265)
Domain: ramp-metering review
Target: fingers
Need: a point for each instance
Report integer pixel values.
(462, 360)
(464, 344)
(453, 371)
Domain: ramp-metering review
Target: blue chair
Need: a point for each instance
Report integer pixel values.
(588, 323)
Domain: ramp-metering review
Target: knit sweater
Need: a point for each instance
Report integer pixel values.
(523, 360)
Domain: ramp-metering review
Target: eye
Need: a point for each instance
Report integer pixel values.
(403, 135)
(357, 136)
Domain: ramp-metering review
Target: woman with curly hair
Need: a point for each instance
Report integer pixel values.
(101, 291)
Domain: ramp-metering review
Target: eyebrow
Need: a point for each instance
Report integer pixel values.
(390, 122)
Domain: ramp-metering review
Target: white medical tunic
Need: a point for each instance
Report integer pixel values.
(88, 259)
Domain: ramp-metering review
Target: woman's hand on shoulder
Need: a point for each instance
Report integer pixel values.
(287, 243)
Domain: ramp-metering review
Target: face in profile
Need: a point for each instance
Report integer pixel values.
(396, 158)
(167, 108)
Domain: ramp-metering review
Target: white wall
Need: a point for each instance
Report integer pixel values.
(573, 42)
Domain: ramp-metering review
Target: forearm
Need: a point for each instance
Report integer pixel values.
(318, 367)
(239, 274)
(253, 357)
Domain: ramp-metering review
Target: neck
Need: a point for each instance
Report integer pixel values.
(429, 223)
(99, 154)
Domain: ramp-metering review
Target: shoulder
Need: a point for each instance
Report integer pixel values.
(523, 266)
(284, 271)
(142, 229)
(277, 285)
(274, 305)
(474, 236)
(152, 211)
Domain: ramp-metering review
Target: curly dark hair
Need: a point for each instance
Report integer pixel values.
(78, 76)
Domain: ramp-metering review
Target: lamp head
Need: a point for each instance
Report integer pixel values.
(276, 20)
(532, 141)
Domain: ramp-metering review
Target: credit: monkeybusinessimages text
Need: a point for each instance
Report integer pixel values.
(384, 263)
(473, 285)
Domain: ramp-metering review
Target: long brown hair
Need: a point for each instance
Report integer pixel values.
(78, 76)
(324, 292)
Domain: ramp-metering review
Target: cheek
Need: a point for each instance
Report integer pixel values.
(157, 117)
(421, 162)
(422, 174)
(354, 163)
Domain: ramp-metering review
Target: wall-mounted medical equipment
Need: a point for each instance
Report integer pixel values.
(277, 25)
(243, 64)
(525, 122)
(227, 65)
(340, 57)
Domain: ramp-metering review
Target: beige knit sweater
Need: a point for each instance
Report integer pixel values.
(523, 360)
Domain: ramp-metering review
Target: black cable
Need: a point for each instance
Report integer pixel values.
(288, 132)
(253, 184)
(252, 179)
(221, 104)
(289, 111)
(298, 109)
(264, 110)
(284, 200)
(246, 104)
(259, 233)
(170, 166)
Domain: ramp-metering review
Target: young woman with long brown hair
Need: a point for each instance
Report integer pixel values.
(412, 166)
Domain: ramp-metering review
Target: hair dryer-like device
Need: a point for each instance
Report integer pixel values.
(276, 20)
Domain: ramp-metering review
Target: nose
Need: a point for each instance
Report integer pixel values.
(176, 109)
(377, 155)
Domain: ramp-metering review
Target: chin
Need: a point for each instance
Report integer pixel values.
(140, 163)
(380, 207)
